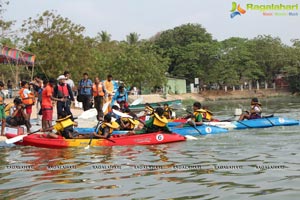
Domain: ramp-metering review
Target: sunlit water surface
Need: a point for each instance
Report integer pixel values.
(244, 164)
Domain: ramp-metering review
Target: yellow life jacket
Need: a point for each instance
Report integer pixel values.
(206, 114)
(63, 123)
(7, 108)
(167, 112)
(132, 122)
(149, 110)
(112, 126)
(197, 112)
(160, 121)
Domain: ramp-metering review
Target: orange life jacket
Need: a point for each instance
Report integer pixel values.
(98, 90)
(1, 100)
(30, 100)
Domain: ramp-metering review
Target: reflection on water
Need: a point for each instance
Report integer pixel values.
(243, 164)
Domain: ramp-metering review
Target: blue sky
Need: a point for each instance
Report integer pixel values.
(147, 17)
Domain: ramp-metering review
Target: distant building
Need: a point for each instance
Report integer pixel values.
(281, 82)
(175, 86)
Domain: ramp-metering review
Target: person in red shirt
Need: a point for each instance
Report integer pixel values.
(47, 106)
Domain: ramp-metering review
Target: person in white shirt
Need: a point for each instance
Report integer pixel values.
(70, 82)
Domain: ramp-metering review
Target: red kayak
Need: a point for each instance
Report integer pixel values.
(41, 140)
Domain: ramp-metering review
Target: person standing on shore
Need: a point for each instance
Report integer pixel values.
(70, 82)
(98, 94)
(85, 89)
(109, 88)
(2, 112)
(47, 105)
(121, 96)
(37, 84)
(64, 94)
(28, 98)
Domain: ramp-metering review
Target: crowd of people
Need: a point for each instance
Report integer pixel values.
(44, 94)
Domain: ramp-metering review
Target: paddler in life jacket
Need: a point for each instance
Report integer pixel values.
(64, 126)
(148, 111)
(207, 115)
(255, 111)
(106, 128)
(167, 111)
(157, 122)
(195, 118)
(127, 123)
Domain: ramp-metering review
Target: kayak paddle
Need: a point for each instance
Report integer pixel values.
(19, 138)
(92, 135)
(121, 114)
(137, 101)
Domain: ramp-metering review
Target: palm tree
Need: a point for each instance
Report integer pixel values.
(132, 38)
(103, 36)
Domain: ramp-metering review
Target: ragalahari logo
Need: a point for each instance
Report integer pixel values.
(236, 10)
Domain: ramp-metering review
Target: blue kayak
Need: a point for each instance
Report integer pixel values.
(264, 122)
(186, 130)
(198, 130)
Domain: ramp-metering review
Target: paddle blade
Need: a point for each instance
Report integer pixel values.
(15, 139)
(105, 107)
(87, 147)
(88, 114)
(137, 101)
(189, 137)
(121, 114)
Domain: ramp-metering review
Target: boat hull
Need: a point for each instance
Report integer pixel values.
(41, 140)
(256, 123)
(198, 130)
(186, 130)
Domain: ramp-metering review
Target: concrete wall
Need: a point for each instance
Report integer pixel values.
(176, 86)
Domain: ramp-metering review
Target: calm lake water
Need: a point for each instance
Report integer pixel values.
(244, 164)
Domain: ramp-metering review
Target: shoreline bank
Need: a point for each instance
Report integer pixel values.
(213, 95)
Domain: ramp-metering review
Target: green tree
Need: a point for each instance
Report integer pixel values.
(190, 48)
(6, 33)
(236, 62)
(269, 56)
(132, 38)
(103, 37)
(291, 69)
(138, 66)
(58, 44)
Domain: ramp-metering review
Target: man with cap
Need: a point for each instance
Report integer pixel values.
(64, 95)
